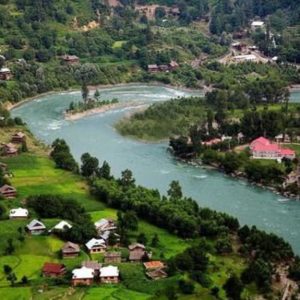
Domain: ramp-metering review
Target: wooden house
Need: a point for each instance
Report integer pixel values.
(70, 250)
(53, 269)
(82, 276)
(18, 137)
(153, 68)
(112, 257)
(156, 274)
(70, 59)
(8, 191)
(137, 252)
(36, 227)
(109, 274)
(173, 65)
(96, 245)
(9, 149)
(5, 74)
(105, 225)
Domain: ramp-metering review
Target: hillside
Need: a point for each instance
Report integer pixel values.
(116, 44)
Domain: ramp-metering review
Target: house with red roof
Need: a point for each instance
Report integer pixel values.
(262, 148)
(53, 269)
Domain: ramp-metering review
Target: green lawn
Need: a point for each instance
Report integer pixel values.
(20, 293)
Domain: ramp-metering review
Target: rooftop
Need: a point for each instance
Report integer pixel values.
(109, 271)
(18, 212)
(83, 273)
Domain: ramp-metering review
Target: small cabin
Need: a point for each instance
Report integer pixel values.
(82, 276)
(96, 245)
(5, 74)
(18, 213)
(36, 227)
(18, 137)
(92, 264)
(153, 68)
(109, 274)
(53, 269)
(137, 252)
(70, 250)
(9, 150)
(112, 257)
(8, 191)
(70, 59)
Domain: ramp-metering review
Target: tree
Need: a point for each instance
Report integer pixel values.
(155, 240)
(104, 171)
(97, 94)
(2, 209)
(233, 287)
(89, 165)
(175, 191)
(84, 92)
(186, 286)
(10, 248)
(127, 179)
(24, 280)
(12, 278)
(142, 238)
(127, 220)
(7, 269)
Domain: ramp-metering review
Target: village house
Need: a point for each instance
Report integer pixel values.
(5, 74)
(280, 138)
(96, 245)
(156, 274)
(18, 137)
(70, 250)
(112, 257)
(18, 213)
(9, 149)
(245, 58)
(212, 142)
(36, 227)
(173, 65)
(3, 167)
(257, 25)
(109, 274)
(153, 68)
(70, 59)
(53, 269)
(104, 225)
(262, 148)
(137, 252)
(155, 269)
(8, 191)
(82, 276)
(62, 225)
(92, 264)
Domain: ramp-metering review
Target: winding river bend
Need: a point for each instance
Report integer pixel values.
(152, 165)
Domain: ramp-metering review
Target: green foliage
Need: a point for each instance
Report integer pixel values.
(62, 156)
(233, 287)
(163, 119)
(89, 165)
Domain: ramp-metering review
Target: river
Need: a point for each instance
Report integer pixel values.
(152, 165)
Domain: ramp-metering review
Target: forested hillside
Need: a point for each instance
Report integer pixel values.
(115, 41)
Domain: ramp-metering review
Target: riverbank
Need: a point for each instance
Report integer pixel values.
(98, 110)
(237, 175)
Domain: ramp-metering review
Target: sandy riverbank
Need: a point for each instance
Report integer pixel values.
(101, 109)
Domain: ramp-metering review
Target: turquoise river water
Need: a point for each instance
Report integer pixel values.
(152, 164)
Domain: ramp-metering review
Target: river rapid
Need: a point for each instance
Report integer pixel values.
(152, 164)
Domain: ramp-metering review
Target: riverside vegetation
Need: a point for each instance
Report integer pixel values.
(207, 253)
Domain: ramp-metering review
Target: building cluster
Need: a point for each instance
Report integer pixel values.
(154, 68)
(10, 149)
(91, 271)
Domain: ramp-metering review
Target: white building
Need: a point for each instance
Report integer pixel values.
(16, 213)
(82, 276)
(109, 274)
(62, 225)
(257, 25)
(244, 58)
(96, 245)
